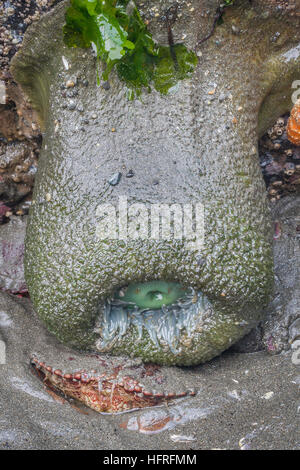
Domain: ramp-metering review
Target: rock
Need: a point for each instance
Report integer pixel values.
(11, 255)
(281, 325)
(294, 330)
(115, 179)
(284, 310)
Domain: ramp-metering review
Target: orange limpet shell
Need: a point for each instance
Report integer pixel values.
(293, 125)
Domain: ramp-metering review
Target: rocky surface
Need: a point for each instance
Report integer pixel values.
(11, 256)
(19, 127)
(20, 136)
(279, 161)
(281, 324)
(243, 401)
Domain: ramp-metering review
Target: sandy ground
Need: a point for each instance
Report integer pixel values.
(243, 401)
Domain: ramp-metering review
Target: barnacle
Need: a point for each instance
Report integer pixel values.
(293, 125)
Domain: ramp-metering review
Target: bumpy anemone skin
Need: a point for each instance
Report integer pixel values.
(68, 271)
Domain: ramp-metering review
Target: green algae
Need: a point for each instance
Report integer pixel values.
(169, 70)
(120, 39)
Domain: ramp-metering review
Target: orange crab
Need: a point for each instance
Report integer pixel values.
(103, 393)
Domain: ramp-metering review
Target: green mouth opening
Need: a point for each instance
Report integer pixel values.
(165, 311)
(153, 294)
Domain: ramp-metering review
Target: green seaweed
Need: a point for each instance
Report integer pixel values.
(120, 39)
(174, 63)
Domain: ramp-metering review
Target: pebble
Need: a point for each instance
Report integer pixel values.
(72, 105)
(115, 179)
(70, 84)
(106, 86)
(268, 395)
(130, 174)
(235, 29)
(65, 62)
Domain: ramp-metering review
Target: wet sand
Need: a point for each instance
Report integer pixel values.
(243, 401)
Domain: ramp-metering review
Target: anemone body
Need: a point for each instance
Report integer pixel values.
(196, 146)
